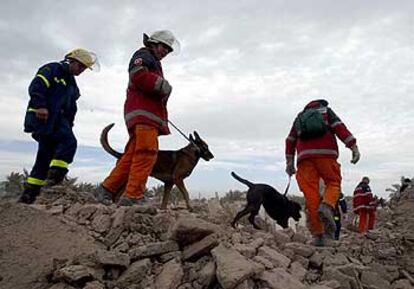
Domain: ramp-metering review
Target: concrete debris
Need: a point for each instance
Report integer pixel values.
(143, 248)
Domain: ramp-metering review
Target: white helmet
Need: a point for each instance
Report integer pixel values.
(87, 58)
(166, 37)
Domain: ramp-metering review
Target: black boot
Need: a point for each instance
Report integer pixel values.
(30, 194)
(55, 176)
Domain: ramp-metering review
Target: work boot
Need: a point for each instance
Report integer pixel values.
(125, 201)
(55, 176)
(29, 194)
(326, 216)
(104, 196)
(318, 240)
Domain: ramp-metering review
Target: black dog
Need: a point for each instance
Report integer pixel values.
(277, 206)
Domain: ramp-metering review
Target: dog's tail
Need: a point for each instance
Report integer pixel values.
(246, 182)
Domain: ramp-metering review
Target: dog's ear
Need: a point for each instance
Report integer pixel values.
(196, 135)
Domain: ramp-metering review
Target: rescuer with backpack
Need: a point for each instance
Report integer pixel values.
(313, 137)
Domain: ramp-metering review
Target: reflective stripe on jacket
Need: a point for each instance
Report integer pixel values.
(144, 104)
(324, 146)
(362, 197)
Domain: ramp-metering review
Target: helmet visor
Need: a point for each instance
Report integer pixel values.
(95, 65)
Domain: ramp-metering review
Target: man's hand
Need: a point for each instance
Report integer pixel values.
(166, 88)
(42, 114)
(355, 154)
(163, 87)
(290, 168)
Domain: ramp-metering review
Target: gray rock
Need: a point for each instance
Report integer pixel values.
(296, 269)
(278, 278)
(86, 212)
(94, 285)
(134, 274)
(300, 238)
(188, 230)
(101, 223)
(113, 235)
(118, 217)
(246, 250)
(335, 260)
(113, 258)
(389, 273)
(301, 249)
(352, 270)
(264, 261)
(170, 276)
(171, 255)
(387, 253)
(319, 286)
(200, 248)
(281, 237)
(372, 278)
(73, 274)
(346, 281)
(331, 284)
(302, 260)
(277, 259)
(153, 249)
(207, 274)
(246, 284)
(257, 243)
(236, 238)
(232, 267)
(402, 284)
(61, 286)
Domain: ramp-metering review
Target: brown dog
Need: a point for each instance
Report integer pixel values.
(172, 167)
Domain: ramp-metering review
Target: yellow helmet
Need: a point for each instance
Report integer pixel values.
(87, 58)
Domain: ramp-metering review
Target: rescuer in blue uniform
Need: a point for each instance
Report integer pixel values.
(50, 116)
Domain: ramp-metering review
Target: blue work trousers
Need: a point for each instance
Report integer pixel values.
(60, 145)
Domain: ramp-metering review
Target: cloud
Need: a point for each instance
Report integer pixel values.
(245, 70)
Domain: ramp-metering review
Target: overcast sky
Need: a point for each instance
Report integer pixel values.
(245, 69)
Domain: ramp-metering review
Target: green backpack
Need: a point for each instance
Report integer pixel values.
(310, 124)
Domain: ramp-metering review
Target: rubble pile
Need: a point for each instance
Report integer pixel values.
(140, 247)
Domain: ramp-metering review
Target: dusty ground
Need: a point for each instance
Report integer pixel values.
(29, 241)
(64, 224)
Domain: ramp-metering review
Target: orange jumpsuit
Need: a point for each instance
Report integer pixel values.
(146, 117)
(316, 158)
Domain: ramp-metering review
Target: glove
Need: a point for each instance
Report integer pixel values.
(355, 154)
(163, 87)
(166, 88)
(290, 168)
(42, 114)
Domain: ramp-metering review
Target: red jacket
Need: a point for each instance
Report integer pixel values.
(363, 199)
(324, 146)
(144, 103)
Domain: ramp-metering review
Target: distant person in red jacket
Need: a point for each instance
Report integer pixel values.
(313, 138)
(146, 117)
(365, 205)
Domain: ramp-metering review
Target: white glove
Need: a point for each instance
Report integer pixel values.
(355, 154)
(163, 86)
